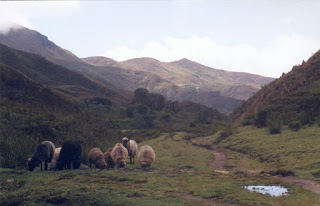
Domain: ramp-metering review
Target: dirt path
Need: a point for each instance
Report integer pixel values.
(220, 160)
(203, 201)
(310, 185)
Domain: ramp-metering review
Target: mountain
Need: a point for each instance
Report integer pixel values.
(291, 99)
(17, 88)
(186, 73)
(185, 80)
(55, 76)
(101, 61)
(182, 80)
(33, 42)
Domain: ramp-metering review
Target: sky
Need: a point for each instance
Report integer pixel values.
(265, 37)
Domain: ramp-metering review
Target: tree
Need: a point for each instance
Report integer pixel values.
(261, 120)
(140, 95)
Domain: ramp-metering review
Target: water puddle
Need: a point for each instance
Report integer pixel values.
(274, 191)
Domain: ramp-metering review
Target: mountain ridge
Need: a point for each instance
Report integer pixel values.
(185, 72)
(172, 81)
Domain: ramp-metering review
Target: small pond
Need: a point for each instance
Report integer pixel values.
(275, 191)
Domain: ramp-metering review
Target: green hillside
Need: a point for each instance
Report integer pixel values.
(292, 100)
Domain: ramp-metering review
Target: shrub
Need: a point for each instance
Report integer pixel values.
(295, 126)
(318, 121)
(129, 111)
(261, 119)
(228, 131)
(248, 120)
(275, 127)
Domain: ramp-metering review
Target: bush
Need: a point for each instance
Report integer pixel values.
(261, 119)
(275, 127)
(129, 111)
(295, 126)
(248, 120)
(228, 131)
(318, 121)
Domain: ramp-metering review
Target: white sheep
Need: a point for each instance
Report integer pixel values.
(119, 155)
(132, 148)
(146, 156)
(52, 165)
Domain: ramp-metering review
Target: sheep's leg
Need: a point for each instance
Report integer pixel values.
(41, 166)
(133, 159)
(45, 165)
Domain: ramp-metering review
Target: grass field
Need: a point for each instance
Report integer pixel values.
(296, 151)
(180, 175)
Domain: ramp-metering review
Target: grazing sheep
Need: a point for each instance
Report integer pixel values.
(108, 158)
(70, 153)
(132, 148)
(97, 158)
(43, 153)
(146, 156)
(119, 155)
(52, 165)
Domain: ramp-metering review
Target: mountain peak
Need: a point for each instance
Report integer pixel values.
(184, 62)
(34, 42)
(100, 61)
(143, 60)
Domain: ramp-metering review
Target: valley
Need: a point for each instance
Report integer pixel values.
(214, 132)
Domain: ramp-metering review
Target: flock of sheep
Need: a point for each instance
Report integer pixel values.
(69, 156)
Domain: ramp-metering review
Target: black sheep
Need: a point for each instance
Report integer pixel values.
(44, 153)
(70, 153)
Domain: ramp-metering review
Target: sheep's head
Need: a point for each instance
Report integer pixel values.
(125, 140)
(144, 165)
(32, 164)
(121, 162)
(101, 164)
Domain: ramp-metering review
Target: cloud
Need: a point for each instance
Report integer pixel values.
(22, 13)
(287, 20)
(279, 55)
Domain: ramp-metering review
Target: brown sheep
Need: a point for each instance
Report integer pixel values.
(108, 158)
(96, 157)
(146, 156)
(119, 155)
(132, 148)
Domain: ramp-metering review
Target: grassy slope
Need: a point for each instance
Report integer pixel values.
(296, 151)
(179, 169)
